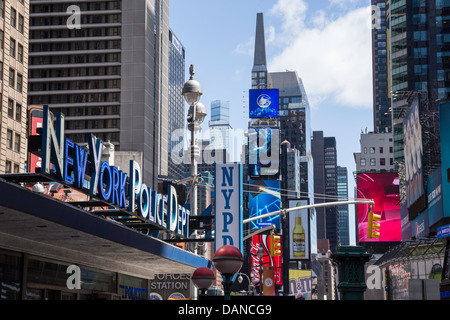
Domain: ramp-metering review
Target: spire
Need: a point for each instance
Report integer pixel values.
(259, 62)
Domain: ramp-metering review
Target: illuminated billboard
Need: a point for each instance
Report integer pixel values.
(299, 245)
(263, 103)
(263, 153)
(264, 197)
(413, 151)
(383, 188)
(263, 241)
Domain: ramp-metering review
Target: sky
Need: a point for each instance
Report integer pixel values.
(327, 42)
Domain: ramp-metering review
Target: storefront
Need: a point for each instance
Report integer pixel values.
(51, 249)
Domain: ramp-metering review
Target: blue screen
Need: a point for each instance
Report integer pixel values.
(263, 103)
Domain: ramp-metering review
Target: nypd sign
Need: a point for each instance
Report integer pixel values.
(228, 205)
(107, 182)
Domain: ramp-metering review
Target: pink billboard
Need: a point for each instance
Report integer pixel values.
(383, 188)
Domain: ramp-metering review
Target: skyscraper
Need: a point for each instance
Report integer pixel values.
(108, 75)
(177, 120)
(220, 128)
(14, 75)
(381, 67)
(294, 110)
(325, 186)
(343, 210)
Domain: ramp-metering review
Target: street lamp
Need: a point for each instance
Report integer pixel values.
(228, 260)
(196, 114)
(203, 278)
(240, 279)
(260, 254)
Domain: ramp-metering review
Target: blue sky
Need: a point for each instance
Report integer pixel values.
(328, 43)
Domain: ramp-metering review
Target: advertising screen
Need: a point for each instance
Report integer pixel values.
(383, 188)
(444, 129)
(263, 103)
(264, 197)
(263, 153)
(298, 231)
(413, 150)
(263, 241)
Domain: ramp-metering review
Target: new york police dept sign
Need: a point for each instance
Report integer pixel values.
(228, 205)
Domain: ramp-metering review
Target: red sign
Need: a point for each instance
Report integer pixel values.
(263, 241)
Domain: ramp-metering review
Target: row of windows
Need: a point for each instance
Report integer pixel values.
(373, 162)
(75, 72)
(76, 45)
(86, 6)
(381, 149)
(75, 59)
(75, 85)
(14, 112)
(11, 167)
(13, 140)
(73, 98)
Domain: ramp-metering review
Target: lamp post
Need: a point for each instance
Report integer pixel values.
(260, 254)
(203, 278)
(196, 114)
(251, 288)
(228, 260)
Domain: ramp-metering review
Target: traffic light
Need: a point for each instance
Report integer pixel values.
(275, 245)
(373, 225)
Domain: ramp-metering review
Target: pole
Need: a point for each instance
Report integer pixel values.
(326, 204)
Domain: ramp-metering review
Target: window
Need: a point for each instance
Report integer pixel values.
(9, 137)
(365, 150)
(13, 17)
(18, 112)
(2, 37)
(2, 9)
(362, 162)
(20, 53)
(372, 150)
(12, 47)
(12, 77)
(17, 142)
(19, 82)
(21, 23)
(373, 162)
(8, 166)
(381, 149)
(391, 149)
(10, 108)
(382, 162)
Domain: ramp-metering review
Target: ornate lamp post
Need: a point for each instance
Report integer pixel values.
(228, 260)
(203, 278)
(196, 114)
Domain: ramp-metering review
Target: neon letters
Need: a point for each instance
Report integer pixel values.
(108, 182)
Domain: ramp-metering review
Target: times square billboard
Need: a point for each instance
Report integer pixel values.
(263, 103)
(383, 188)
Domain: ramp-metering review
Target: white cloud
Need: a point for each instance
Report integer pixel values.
(331, 55)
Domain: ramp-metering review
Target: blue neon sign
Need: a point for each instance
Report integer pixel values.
(263, 103)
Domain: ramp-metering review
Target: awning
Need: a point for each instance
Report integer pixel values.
(39, 224)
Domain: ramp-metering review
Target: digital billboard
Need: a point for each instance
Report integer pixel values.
(263, 153)
(299, 245)
(444, 129)
(383, 188)
(263, 241)
(263, 103)
(413, 151)
(264, 197)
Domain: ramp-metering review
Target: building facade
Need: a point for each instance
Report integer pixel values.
(14, 34)
(219, 126)
(90, 63)
(377, 153)
(343, 210)
(177, 120)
